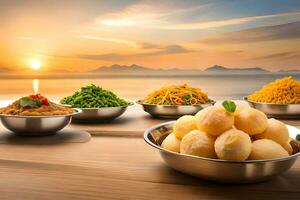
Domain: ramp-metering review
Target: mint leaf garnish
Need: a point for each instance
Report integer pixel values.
(27, 102)
(229, 106)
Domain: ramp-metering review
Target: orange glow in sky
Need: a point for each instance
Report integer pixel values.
(81, 36)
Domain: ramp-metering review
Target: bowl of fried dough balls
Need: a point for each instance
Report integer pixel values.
(230, 143)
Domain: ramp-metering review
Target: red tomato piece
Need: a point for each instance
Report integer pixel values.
(45, 101)
(33, 96)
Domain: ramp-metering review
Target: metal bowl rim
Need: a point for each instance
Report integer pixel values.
(141, 102)
(83, 109)
(77, 111)
(273, 104)
(149, 130)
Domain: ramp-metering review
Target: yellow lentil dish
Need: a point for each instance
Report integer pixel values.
(281, 91)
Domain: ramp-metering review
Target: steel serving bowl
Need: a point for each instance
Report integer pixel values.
(101, 114)
(172, 111)
(276, 110)
(222, 170)
(37, 125)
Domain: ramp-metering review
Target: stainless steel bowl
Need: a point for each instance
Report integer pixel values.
(172, 111)
(277, 110)
(36, 125)
(100, 114)
(222, 170)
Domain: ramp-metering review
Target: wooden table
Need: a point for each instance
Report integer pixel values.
(118, 164)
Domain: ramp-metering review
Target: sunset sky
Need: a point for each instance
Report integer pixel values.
(76, 35)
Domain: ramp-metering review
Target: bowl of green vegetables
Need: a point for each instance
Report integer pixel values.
(96, 103)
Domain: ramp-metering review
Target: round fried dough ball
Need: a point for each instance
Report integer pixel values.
(214, 120)
(184, 125)
(264, 149)
(171, 143)
(198, 143)
(276, 131)
(251, 121)
(233, 145)
(239, 107)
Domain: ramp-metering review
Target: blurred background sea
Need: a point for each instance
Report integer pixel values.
(134, 88)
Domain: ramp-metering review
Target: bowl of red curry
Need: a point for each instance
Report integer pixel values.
(36, 115)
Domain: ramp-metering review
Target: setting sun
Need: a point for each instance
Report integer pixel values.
(36, 64)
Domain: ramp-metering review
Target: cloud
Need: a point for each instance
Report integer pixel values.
(147, 14)
(142, 45)
(282, 55)
(225, 22)
(145, 45)
(133, 15)
(172, 49)
(107, 57)
(162, 50)
(169, 49)
(156, 16)
(266, 33)
(113, 40)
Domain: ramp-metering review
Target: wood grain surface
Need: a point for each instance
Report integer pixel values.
(117, 168)
(118, 164)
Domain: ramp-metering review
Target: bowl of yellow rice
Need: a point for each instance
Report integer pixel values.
(280, 98)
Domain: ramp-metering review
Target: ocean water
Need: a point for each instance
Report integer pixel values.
(217, 87)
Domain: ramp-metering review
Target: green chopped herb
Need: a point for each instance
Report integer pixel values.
(93, 96)
(229, 106)
(27, 102)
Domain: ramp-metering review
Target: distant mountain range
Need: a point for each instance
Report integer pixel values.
(5, 70)
(140, 71)
(216, 69)
(121, 68)
(290, 71)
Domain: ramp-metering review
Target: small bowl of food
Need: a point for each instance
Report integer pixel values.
(175, 101)
(35, 115)
(279, 99)
(226, 144)
(97, 104)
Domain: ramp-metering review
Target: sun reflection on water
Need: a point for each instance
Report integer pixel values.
(35, 84)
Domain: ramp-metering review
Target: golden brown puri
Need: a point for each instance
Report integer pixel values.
(276, 131)
(171, 143)
(251, 121)
(184, 125)
(243, 134)
(214, 120)
(233, 145)
(264, 149)
(198, 143)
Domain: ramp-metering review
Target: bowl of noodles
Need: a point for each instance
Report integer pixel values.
(175, 101)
